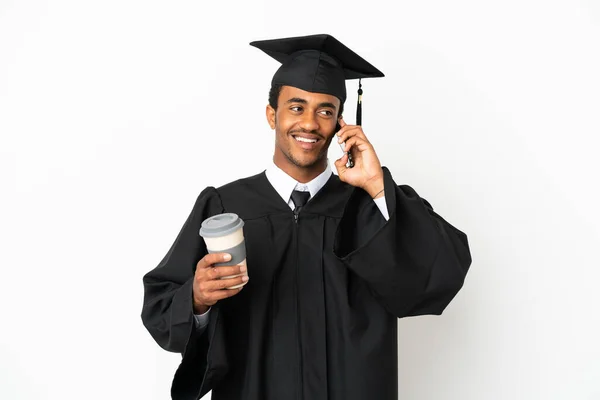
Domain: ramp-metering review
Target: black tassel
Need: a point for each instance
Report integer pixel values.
(350, 162)
(359, 105)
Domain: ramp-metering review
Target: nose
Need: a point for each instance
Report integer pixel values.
(309, 122)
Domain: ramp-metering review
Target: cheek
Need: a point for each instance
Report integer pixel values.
(329, 140)
(284, 124)
(280, 129)
(329, 130)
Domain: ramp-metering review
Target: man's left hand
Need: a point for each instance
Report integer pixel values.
(366, 173)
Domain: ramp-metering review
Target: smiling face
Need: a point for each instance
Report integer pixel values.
(304, 124)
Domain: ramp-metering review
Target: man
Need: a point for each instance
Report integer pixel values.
(333, 261)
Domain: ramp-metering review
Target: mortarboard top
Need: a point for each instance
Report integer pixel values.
(316, 63)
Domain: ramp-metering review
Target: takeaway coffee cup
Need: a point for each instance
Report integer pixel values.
(223, 233)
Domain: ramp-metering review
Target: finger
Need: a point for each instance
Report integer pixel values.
(340, 164)
(351, 131)
(223, 294)
(208, 260)
(356, 142)
(205, 288)
(345, 128)
(220, 284)
(219, 272)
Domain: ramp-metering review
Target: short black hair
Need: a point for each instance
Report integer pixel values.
(274, 98)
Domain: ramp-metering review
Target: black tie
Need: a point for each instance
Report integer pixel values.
(300, 199)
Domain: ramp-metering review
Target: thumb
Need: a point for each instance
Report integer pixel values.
(340, 164)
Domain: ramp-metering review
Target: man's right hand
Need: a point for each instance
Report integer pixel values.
(208, 288)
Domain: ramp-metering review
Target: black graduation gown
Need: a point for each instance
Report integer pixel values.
(317, 319)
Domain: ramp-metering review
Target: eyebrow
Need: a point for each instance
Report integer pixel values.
(297, 100)
(302, 101)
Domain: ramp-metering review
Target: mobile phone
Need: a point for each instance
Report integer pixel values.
(350, 162)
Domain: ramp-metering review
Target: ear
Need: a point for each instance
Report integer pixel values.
(270, 111)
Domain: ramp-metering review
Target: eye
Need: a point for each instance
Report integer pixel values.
(296, 108)
(327, 113)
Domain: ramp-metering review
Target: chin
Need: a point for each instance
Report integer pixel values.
(305, 162)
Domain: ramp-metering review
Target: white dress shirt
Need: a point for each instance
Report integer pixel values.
(285, 185)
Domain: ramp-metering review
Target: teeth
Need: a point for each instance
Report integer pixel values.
(301, 139)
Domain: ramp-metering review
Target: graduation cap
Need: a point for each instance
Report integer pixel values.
(318, 63)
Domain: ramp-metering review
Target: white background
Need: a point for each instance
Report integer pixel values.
(114, 115)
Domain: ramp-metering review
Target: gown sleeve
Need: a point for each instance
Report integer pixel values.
(415, 263)
(167, 311)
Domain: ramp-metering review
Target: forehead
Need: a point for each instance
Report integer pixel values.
(290, 92)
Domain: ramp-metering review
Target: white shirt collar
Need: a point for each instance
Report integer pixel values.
(285, 184)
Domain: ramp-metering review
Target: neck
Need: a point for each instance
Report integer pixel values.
(300, 174)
